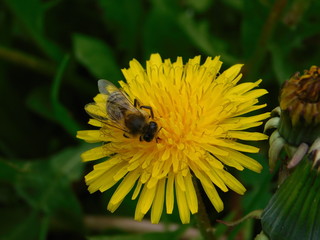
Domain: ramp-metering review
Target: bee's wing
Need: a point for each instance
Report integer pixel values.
(120, 104)
(112, 112)
(99, 109)
(106, 87)
(99, 113)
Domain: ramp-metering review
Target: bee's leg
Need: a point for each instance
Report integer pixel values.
(150, 109)
(125, 135)
(136, 103)
(158, 138)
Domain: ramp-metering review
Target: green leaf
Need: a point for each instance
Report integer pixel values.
(28, 227)
(36, 184)
(31, 14)
(8, 170)
(45, 185)
(254, 16)
(96, 56)
(68, 164)
(124, 18)
(282, 70)
(162, 32)
(293, 212)
(179, 33)
(199, 5)
(39, 102)
(200, 35)
(61, 113)
(290, 41)
(236, 4)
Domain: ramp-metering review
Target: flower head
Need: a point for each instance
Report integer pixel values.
(198, 112)
(297, 119)
(300, 96)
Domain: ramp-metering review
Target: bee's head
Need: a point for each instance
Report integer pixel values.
(150, 131)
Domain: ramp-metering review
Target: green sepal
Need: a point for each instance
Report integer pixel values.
(294, 210)
(298, 133)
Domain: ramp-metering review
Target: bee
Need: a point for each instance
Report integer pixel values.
(116, 110)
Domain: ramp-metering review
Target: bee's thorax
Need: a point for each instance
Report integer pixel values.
(135, 123)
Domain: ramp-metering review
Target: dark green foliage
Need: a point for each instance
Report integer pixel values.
(293, 211)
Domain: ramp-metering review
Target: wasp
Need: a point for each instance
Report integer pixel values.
(119, 112)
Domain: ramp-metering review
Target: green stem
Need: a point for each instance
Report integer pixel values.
(202, 215)
(297, 9)
(28, 61)
(44, 67)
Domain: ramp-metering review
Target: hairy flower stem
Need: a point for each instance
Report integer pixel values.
(202, 216)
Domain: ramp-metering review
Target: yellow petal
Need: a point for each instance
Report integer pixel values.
(213, 197)
(170, 193)
(182, 204)
(96, 153)
(157, 206)
(124, 187)
(191, 194)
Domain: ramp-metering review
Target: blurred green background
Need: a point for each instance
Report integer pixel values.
(52, 52)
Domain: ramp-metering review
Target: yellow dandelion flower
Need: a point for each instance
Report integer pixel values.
(198, 116)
